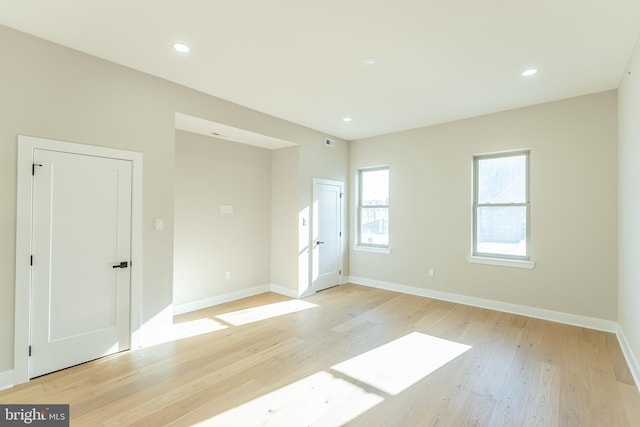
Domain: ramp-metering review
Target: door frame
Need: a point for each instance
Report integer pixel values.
(313, 224)
(24, 218)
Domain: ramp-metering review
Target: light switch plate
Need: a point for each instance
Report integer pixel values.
(226, 209)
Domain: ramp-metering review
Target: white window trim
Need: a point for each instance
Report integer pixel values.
(506, 260)
(359, 246)
(502, 262)
(373, 249)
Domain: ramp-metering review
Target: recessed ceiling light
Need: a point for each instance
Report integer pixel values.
(181, 47)
(368, 61)
(530, 72)
(346, 119)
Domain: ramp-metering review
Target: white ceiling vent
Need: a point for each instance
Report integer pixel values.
(329, 143)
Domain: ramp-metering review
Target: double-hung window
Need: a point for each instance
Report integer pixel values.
(501, 219)
(373, 207)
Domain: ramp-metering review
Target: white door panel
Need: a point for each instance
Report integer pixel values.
(81, 229)
(327, 239)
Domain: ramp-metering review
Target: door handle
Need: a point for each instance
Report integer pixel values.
(123, 264)
(318, 242)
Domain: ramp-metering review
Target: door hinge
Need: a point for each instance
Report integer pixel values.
(29, 351)
(33, 168)
(340, 234)
(341, 194)
(339, 271)
(31, 260)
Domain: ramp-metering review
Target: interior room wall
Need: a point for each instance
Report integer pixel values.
(318, 161)
(54, 92)
(209, 243)
(573, 182)
(284, 219)
(629, 208)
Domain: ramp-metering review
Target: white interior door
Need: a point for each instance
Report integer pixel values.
(326, 234)
(80, 302)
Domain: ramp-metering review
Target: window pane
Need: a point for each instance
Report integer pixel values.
(502, 180)
(375, 187)
(374, 226)
(502, 230)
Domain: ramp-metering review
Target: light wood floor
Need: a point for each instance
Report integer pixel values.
(354, 356)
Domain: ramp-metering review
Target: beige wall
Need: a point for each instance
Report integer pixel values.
(260, 243)
(629, 207)
(207, 244)
(573, 206)
(284, 217)
(318, 161)
(54, 92)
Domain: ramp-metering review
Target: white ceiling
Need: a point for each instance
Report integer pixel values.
(301, 60)
(230, 133)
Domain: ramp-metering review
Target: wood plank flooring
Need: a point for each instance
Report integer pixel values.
(356, 356)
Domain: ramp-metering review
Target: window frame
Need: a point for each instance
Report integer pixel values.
(502, 259)
(360, 244)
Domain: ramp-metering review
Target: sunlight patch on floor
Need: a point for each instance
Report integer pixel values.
(189, 329)
(263, 312)
(318, 400)
(395, 366)
(323, 399)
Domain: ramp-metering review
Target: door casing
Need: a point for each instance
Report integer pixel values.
(340, 227)
(26, 146)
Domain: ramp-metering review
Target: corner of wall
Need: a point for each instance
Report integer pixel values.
(6, 380)
(288, 292)
(634, 366)
(538, 313)
(629, 212)
(218, 299)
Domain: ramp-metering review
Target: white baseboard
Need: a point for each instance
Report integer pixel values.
(6, 379)
(220, 299)
(539, 313)
(634, 366)
(288, 292)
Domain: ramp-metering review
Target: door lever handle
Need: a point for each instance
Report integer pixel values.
(123, 264)
(318, 242)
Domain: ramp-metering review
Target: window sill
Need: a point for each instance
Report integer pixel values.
(372, 249)
(502, 262)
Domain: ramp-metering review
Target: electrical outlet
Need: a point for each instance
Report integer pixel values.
(431, 272)
(227, 275)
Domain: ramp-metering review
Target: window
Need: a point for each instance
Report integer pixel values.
(373, 207)
(501, 206)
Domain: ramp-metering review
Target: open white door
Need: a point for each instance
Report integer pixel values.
(81, 246)
(326, 234)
